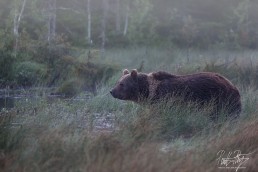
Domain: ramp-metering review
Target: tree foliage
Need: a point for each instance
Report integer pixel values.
(195, 23)
(37, 35)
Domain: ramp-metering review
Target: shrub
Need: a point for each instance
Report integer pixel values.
(30, 73)
(6, 68)
(70, 87)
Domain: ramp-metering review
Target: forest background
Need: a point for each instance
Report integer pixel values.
(36, 34)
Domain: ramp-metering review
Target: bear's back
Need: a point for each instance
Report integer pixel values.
(201, 87)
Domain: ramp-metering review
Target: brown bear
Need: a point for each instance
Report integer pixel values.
(203, 88)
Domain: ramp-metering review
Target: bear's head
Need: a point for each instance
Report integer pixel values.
(127, 87)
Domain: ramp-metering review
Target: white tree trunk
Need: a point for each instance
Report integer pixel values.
(103, 32)
(51, 20)
(16, 24)
(126, 20)
(89, 21)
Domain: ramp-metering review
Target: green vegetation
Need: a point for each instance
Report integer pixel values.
(57, 42)
(192, 23)
(55, 66)
(67, 135)
(79, 48)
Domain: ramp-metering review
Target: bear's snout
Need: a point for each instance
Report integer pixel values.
(112, 92)
(116, 94)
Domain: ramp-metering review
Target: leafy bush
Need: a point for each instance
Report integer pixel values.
(6, 68)
(70, 87)
(30, 73)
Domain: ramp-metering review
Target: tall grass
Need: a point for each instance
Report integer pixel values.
(72, 135)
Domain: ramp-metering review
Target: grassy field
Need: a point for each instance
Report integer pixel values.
(104, 134)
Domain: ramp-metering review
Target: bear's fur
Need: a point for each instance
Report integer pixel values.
(203, 88)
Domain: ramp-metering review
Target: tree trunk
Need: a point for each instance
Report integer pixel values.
(16, 25)
(89, 21)
(126, 20)
(103, 32)
(51, 20)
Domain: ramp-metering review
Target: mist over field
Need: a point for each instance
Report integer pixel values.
(59, 59)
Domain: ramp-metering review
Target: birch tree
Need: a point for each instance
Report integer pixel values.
(16, 23)
(51, 20)
(89, 21)
(103, 27)
(126, 20)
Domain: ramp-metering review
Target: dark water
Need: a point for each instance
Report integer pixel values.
(8, 97)
(28, 97)
(6, 102)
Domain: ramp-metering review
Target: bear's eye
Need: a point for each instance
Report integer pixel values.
(121, 84)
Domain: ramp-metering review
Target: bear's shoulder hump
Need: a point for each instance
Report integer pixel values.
(161, 75)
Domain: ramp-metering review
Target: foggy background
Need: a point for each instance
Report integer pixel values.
(43, 40)
(109, 23)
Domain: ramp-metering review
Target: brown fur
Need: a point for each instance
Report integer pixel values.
(203, 88)
(153, 85)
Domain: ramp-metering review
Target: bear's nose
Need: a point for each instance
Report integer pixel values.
(112, 93)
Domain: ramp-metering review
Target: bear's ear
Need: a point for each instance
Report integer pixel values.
(125, 72)
(134, 74)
